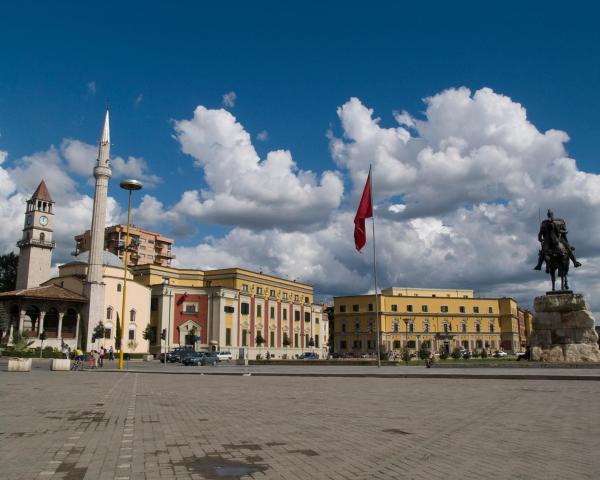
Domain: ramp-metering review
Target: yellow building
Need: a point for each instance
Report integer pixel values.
(419, 318)
(226, 309)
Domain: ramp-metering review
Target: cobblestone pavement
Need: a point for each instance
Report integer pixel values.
(90, 425)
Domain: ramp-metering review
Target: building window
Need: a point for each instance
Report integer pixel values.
(395, 326)
(132, 315)
(245, 308)
(394, 307)
(396, 344)
(444, 309)
(316, 319)
(285, 313)
(355, 308)
(445, 327)
(272, 312)
(409, 308)
(411, 344)
(244, 338)
(285, 295)
(370, 307)
(296, 298)
(259, 310)
(228, 336)
(316, 341)
(343, 327)
(356, 326)
(154, 304)
(307, 316)
(244, 287)
(109, 313)
(478, 344)
(131, 332)
(478, 327)
(424, 308)
(190, 308)
(118, 287)
(370, 344)
(306, 300)
(475, 309)
(343, 345)
(370, 325)
(107, 333)
(228, 309)
(426, 326)
(272, 293)
(296, 340)
(490, 309)
(463, 327)
(492, 327)
(357, 344)
(272, 339)
(411, 327)
(296, 315)
(462, 309)
(342, 308)
(259, 290)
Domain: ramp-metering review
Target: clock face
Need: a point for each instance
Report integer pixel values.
(28, 219)
(43, 220)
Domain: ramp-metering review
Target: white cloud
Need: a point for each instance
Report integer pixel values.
(91, 87)
(244, 190)
(134, 167)
(263, 136)
(229, 99)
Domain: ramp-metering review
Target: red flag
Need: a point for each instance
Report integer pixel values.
(365, 210)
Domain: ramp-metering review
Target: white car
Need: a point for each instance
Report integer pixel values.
(500, 354)
(224, 356)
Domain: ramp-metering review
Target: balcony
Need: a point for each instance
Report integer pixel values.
(35, 242)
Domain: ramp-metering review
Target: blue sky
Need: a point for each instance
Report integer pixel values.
(291, 67)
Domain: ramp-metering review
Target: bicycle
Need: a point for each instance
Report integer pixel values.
(77, 364)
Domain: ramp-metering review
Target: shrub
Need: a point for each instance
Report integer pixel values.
(405, 354)
(484, 353)
(456, 353)
(384, 354)
(258, 356)
(467, 355)
(424, 353)
(476, 354)
(443, 354)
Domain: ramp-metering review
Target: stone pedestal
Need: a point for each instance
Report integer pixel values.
(19, 364)
(60, 365)
(563, 329)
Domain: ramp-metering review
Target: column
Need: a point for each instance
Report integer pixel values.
(60, 319)
(41, 322)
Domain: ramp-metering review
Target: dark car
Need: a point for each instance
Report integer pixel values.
(194, 358)
(309, 356)
(209, 358)
(178, 354)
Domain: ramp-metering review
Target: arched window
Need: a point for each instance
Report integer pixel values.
(492, 327)
(426, 326)
(478, 327)
(445, 327)
(411, 327)
(395, 326)
(42, 236)
(132, 315)
(118, 287)
(463, 327)
(109, 313)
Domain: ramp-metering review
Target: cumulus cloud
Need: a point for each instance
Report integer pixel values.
(229, 99)
(244, 190)
(263, 136)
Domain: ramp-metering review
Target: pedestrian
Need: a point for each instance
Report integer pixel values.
(92, 358)
(101, 358)
(111, 354)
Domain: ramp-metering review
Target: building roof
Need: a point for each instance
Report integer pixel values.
(41, 193)
(46, 292)
(108, 259)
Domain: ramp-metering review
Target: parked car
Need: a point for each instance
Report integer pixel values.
(209, 358)
(500, 354)
(194, 358)
(309, 356)
(224, 356)
(179, 354)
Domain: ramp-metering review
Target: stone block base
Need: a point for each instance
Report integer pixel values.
(148, 358)
(60, 365)
(563, 330)
(19, 364)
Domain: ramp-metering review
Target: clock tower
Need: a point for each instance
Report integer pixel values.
(36, 245)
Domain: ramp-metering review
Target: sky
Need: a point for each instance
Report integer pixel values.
(253, 124)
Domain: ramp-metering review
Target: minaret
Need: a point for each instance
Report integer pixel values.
(94, 286)
(35, 248)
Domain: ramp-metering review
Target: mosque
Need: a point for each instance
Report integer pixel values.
(245, 312)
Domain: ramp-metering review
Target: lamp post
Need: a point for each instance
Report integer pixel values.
(168, 292)
(129, 185)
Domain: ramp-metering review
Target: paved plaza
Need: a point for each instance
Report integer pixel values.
(109, 425)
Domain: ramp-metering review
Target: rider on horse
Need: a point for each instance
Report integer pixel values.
(553, 233)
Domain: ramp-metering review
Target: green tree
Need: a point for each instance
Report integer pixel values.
(99, 330)
(21, 341)
(118, 334)
(8, 271)
(149, 334)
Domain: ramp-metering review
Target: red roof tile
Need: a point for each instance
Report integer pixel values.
(41, 193)
(51, 292)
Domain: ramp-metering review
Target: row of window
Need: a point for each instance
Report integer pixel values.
(110, 311)
(245, 310)
(409, 308)
(426, 344)
(272, 293)
(410, 327)
(272, 341)
(108, 335)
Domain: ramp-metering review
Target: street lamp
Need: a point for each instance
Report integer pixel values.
(167, 340)
(129, 185)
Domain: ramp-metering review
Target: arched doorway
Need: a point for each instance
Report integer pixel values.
(51, 323)
(69, 324)
(31, 322)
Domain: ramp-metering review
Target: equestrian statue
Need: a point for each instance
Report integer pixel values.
(556, 250)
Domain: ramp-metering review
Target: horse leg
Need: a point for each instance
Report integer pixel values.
(553, 277)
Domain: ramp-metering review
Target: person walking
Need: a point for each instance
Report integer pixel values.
(101, 357)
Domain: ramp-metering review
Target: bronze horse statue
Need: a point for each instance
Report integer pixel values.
(557, 261)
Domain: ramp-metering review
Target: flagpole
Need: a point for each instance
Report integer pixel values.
(375, 270)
